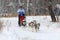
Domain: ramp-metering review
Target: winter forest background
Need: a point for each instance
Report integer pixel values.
(35, 7)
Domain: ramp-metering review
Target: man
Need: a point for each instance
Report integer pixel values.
(21, 15)
(57, 12)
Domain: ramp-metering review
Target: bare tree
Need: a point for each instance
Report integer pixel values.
(51, 11)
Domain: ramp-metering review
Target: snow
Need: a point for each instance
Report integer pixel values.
(48, 30)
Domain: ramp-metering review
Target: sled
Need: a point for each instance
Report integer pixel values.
(22, 21)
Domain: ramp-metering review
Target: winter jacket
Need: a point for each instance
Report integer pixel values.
(21, 12)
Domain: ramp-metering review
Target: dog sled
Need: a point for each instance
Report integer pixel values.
(22, 21)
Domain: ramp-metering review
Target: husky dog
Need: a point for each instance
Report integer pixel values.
(34, 25)
(31, 24)
(37, 26)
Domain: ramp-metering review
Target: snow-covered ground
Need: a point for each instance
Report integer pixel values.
(48, 30)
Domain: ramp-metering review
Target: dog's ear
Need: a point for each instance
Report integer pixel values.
(30, 23)
(34, 21)
(38, 24)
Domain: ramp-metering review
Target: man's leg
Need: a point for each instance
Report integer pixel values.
(19, 20)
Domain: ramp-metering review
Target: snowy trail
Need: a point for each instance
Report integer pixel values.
(48, 30)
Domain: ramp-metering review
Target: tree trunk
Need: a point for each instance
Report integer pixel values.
(51, 13)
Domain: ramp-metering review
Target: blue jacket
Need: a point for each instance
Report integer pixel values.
(21, 12)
